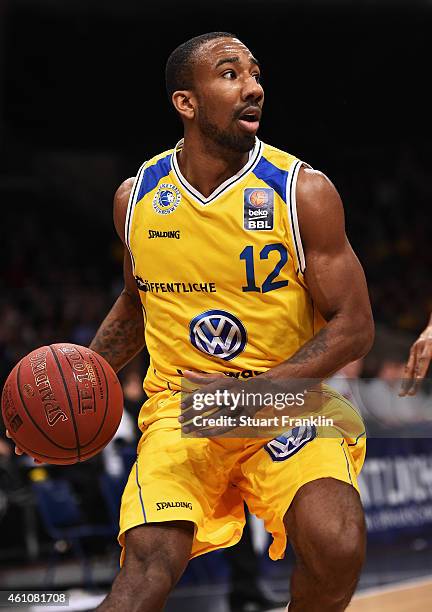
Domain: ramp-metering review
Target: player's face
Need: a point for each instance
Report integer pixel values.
(229, 94)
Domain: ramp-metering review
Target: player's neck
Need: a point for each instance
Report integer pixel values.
(206, 166)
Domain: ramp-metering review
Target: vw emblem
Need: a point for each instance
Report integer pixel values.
(290, 442)
(218, 333)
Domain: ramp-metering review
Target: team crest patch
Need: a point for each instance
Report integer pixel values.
(290, 442)
(258, 211)
(167, 199)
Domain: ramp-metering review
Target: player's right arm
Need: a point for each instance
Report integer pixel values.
(121, 334)
(418, 363)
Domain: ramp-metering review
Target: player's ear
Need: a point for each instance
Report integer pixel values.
(184, 103)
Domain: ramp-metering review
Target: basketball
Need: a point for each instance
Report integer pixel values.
(62, 403)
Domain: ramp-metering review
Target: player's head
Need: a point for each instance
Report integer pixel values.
(213, 82)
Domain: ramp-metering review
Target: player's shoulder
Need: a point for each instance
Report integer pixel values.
(319, 206)
(121, 201)
(123, 192)
(279, 158)
(313, 185)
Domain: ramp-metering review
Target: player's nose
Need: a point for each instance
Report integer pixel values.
(252, 89)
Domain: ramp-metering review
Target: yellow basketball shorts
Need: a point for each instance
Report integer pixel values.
(206, 480)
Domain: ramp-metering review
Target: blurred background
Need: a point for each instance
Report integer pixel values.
(82, 105)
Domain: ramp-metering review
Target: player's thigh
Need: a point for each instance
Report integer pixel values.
(159, 548)
(274, 475)
(325, 524)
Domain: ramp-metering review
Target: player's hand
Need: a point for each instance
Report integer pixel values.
(19, 451)
(219, 386)
(418, 363)
(199, 379)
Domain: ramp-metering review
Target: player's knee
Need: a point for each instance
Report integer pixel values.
(153, 566)
(157, 554)
(340, 552)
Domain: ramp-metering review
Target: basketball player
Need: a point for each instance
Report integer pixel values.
(418, 362)
(236, 264)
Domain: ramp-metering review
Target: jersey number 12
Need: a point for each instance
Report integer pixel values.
(270, 283)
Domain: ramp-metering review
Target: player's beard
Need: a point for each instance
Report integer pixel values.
(236, 142)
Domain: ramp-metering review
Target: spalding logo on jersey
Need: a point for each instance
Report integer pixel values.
(166, 199)
(218, 333)
(290, 442)
(258, 211)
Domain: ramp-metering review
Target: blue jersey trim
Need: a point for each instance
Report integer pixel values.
(348, 467)
(363, 433)
(140, 492)
(153, 174)
(273, 176)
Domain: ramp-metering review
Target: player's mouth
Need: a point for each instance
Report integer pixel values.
(249, 119)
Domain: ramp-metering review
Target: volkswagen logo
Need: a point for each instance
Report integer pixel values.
(290, 442)
(218, 333)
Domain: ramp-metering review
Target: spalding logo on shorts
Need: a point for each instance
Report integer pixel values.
(290, 442)
(218, 333)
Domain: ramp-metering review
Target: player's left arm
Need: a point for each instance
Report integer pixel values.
(336, 283)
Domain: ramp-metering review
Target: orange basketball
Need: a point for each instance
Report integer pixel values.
(62, 403)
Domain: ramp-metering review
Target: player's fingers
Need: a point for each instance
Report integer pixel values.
(192, 403)
(408, 378)
(197, 380)
(200, 378)
(421, 368)
(18, 451)
(423, 363)
(221, 412)
(188, 407)
(186, 417)
(213, 432)
(228, 424)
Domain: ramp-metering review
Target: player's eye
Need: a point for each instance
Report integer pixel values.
(229, 74)
(257, 77)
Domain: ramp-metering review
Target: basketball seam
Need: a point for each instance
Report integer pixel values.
(71, 448)
(82, 458)
(44, 456)
(78, 448)
(106, 402)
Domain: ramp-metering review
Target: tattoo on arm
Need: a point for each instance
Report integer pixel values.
(121, 335)
(316, 346)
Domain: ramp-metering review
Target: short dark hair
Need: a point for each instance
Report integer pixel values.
(178, 69)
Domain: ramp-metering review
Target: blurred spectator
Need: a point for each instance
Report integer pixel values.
(5, 448)
(346, 382)
(396, 415)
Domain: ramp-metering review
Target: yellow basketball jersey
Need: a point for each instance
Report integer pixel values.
(220, 278)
